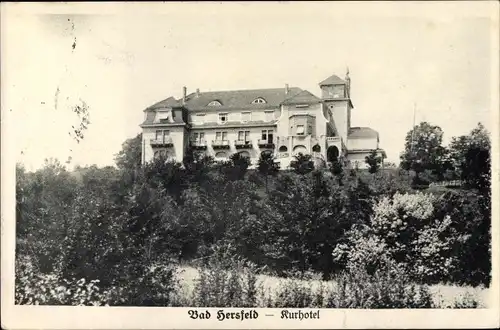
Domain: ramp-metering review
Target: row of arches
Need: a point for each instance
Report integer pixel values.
(226, 154)
(316, 148)
(332, 153)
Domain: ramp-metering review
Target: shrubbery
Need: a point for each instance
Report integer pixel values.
(122, 232)
(407, 229)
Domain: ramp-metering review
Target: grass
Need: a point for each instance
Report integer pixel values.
(443, 296)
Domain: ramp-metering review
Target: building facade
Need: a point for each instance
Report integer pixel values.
(282, 121)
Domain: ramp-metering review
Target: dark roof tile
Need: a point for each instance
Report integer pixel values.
(239, 99)
(167, 103)
(332, 80)
(362, 132)
(304, 97)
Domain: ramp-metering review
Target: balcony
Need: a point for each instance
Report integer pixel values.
(266, 144)
(220, 144)
(199, 144)
(242, 144)
(166, 141)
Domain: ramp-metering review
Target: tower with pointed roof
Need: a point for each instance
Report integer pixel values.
(336, 98)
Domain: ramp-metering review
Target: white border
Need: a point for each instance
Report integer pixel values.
(28, 317)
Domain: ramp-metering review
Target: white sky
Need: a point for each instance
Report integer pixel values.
(438, 55)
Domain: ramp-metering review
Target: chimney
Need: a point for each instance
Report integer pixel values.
(184, 92)
(287, 90)
(197, 92)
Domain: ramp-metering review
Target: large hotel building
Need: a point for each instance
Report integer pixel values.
(284, 121)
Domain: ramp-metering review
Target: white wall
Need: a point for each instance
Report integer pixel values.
(340, 113)
(360, 159)
(233, 115)
(362, 143)
(177, 135)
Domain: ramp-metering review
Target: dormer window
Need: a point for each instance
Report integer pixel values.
(259, 100)
(223, 118)
(164, 115)
(215, 103)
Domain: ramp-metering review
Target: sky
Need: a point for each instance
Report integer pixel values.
(119, 59)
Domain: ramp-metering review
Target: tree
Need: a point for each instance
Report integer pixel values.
(470, 155)
(311, 217)
(197, 166)
(302, 164)
(423, 150)
(337, 169)
(129, 158)
(267, 166)
(373, 161)
(236, 167)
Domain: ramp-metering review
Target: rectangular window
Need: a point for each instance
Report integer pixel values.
(269, 115)
(300, 129)
(270, 136)
(243, 135)
(246, 116)
(160, 134)
(310, 130)
(222, 118)
(198, 137)
(267, 135)
(221, 136)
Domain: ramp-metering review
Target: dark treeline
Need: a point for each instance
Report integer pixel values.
(115, 225)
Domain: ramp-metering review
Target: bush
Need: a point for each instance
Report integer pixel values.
(405, 229)
(226, 281)
(35, 288)
(302, 164)
(387, 287)
(471, 217)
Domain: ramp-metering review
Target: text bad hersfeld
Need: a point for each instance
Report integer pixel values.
(221, 315)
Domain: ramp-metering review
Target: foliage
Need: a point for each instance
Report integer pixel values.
(267, 166)
(302, 164)
(423, 150)
(129, 158)
(43, 202)
(82, 112)
(308, 222)
(374, 162)
(471, 216)
(386, 287)
(124, 230)
(478, 138)
(36, 288)
(405, 229)
(236, 167)
(337, 169)
(226, 281)
(197, 167)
